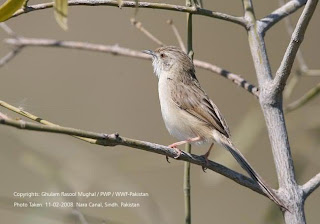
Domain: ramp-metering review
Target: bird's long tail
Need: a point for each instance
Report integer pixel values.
(226, 143)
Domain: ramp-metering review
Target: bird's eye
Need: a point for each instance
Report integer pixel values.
(162, 55)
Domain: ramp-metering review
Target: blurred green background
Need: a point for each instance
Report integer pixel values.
(106, 93)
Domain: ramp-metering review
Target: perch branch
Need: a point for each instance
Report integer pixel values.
(311, 185)
(280, 13)
(296, 39)
(117, 50)
(132, 4)
(116, 139)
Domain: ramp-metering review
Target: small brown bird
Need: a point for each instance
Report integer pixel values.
(189, 114)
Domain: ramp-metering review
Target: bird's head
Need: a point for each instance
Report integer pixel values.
(170, 60)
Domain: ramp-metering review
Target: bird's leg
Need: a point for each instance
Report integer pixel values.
(174, 146)
(206, 155)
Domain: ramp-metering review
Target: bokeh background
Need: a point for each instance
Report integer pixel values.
(107, 93)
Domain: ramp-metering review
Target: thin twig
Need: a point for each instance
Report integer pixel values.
(237, 79)
(131, 4)
(292, 83)
(311, 185)
(7, 29)
(38, 119)
(177, 34)
(187, 174)
(284, 70)
(80, 215)
(117, 50)
(280, 13)
(9, 56)
(311, 94)
(311, 72)
(139, 26)
(116, 139)
(15, 51)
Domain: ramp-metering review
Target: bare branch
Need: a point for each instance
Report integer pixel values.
(116, 139)
(311, 72)
(139, 26)
(280, 13)
(290, 29)
(312, 93)
(117, 50)
(7, 29)
(292, 83)
(132, 4)
(300, 59)
(8, 57)
(38, 119)
(237, 79)
(296, 39)
(177, 34)
(311, 185)
(113, 49)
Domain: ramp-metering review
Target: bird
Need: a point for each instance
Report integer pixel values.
(189, 114)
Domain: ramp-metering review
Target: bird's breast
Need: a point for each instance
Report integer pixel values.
(178, 122)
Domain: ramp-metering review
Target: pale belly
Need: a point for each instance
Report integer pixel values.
(178, 122)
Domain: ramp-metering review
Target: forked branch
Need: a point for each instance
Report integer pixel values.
(280, 13)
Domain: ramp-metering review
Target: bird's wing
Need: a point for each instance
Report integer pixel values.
(195, 101)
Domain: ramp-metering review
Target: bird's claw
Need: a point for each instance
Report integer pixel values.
(173, 146)
(204, 168)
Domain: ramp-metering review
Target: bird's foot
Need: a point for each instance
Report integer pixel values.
(207, 162)
(174, 146)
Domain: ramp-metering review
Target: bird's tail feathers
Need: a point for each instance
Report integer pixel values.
(226, 143)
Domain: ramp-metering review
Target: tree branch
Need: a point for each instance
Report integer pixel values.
(177, 34)
(311, 185)
(187, 171)
(284, 70)
(304, 99)
(139, 26)
(117, 50)
(130, 4)
(280, 13)
(237, 79)
(9, 56)
(311, 72)
(38, 119)
(116, 139)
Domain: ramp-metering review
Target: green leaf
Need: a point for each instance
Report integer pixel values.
(8, 8)
(61, 13)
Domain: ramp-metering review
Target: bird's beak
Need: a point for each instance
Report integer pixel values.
(150, 52)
